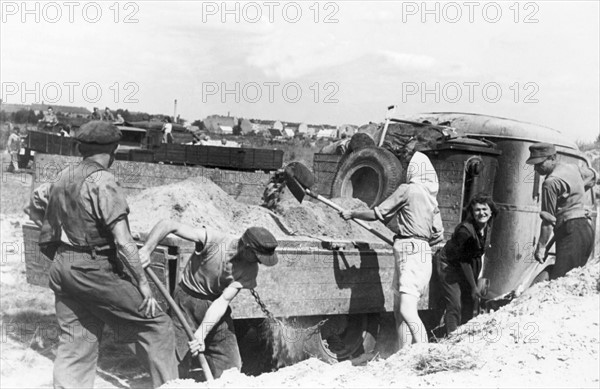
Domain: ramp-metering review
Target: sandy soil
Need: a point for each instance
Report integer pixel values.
(548, 337)
(200, 202)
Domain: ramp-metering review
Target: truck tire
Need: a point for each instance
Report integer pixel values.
(360, 140)
(370, 174)
(343, 337)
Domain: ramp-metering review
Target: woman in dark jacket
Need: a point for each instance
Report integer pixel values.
(459, 261)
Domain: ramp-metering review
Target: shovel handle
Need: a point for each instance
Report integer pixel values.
(182, 320)
(359, 222)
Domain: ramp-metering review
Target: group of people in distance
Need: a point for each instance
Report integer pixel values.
(98, 274)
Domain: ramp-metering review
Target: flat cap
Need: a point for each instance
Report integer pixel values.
(263, 243)
(539, 152)
(98, 132)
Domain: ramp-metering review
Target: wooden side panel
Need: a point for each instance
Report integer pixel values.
(37, 265)
(324, 167)
(210, 156)
(324, 282)
(451, 175)
(48, 143)
(305, 282)
(182, 137)
(136, 155)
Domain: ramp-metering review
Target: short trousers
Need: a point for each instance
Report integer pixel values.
(412, 270)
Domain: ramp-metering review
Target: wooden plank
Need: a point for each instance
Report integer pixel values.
(136, 155)
(37, 265)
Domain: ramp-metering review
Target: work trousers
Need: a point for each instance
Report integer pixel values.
(574, 244)
(90, 293)
(457, 297)
(222, 351)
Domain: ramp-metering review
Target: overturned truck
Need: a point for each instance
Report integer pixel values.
(348, 282)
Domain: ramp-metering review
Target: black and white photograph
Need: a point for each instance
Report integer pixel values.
(299, 194)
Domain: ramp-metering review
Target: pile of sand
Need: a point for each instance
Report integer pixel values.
(196, 201)
(200, 202)
(547, 337)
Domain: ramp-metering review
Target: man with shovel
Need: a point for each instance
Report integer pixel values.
(96, 274)
(411, 213)
(220, 266)
(563, 191)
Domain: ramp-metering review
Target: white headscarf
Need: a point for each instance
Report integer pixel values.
(421, 172)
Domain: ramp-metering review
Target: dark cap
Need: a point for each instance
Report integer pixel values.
(98, 132)
(539, 152)
(263, 243)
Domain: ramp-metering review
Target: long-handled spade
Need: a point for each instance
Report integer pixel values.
(182, 320)
(299, 180)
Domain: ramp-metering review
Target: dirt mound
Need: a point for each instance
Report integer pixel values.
(199, 201)
(547, 337)
(318, 219)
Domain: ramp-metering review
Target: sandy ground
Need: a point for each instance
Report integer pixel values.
(547, 337)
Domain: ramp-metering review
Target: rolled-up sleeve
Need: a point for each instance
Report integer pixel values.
(38, 203)
(552, 189)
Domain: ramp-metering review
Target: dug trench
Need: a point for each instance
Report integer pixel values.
(547, 337)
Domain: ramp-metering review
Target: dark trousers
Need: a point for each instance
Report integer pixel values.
(574, 244)
(456, 294)
(222, 352)
(88, 294)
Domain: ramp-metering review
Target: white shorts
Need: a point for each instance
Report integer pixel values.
(412, 270)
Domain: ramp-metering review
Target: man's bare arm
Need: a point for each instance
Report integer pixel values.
(368, 215)
(166, 227)
(213, 315)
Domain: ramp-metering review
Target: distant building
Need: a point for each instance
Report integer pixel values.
(275, 133)
(259, 125)
(289, 132)
(312, 130)
(347, 129)
(327, 133)
(213, 123)
(245, 126)
(227, 130)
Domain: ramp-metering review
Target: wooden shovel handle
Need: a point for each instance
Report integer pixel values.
(182, 320)
(340, 209)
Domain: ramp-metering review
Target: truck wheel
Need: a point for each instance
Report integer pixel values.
(343, 337)
(360, 140)
(370, 174)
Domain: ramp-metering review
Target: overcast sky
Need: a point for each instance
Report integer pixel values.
(326, 62)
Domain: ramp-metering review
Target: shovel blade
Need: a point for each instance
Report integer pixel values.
(298, 177)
